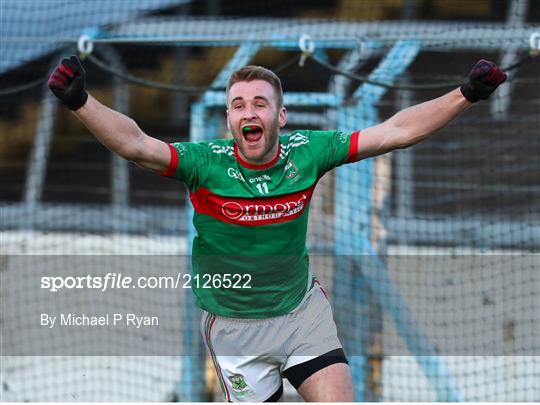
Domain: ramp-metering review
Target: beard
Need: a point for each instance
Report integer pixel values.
(259, 157)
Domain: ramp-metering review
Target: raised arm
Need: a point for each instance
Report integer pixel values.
(116, 131)
(416, 123)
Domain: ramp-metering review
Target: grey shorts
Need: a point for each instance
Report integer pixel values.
(251, 356)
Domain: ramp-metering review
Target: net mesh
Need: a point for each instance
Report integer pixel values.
(428, 253)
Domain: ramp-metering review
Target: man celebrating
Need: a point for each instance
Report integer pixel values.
(268, 317)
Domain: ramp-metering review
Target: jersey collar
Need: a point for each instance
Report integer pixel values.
(253, 166)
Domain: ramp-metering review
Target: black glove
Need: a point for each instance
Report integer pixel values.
(67, 83)
(484, 78)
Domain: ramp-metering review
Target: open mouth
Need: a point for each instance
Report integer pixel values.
(252, 133)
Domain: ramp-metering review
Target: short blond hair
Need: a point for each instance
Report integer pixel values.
(252, 72)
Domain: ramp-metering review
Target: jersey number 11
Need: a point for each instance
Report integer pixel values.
(262, 188)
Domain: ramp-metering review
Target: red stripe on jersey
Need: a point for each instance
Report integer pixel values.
(173, 162)
(251, 211)
(353, 147)
(253, 166)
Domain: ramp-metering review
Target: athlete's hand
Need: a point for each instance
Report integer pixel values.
(67, 82)
(484, 78)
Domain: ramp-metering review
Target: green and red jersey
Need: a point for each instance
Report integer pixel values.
(252, 219)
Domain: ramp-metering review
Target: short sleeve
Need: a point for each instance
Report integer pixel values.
(334, 148)
(189, 163)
